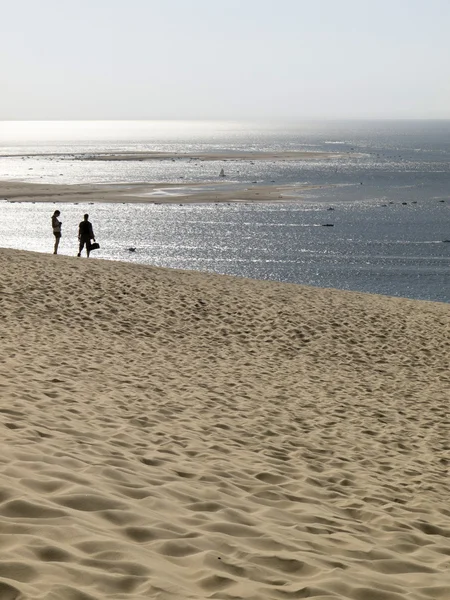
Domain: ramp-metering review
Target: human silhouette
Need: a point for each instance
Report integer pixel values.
(85, 235)
(56, 226)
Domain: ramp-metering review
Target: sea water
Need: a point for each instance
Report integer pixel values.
(387, 196)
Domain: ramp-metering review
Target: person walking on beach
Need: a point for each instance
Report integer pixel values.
(85, 235)
(56, 226)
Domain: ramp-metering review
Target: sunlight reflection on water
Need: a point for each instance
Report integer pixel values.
(396, 250)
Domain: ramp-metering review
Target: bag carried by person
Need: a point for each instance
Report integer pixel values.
(94, 246)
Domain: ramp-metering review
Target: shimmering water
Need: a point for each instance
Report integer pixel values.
(374, 246)
(394, 250)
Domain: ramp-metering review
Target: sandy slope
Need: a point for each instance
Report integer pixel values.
(179, 435)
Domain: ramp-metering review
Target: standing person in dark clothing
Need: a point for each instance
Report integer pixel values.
(56, 226)
(85, 235)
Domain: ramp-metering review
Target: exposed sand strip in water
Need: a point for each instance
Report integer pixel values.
(160, 193)
(214, 156)
(202, 156)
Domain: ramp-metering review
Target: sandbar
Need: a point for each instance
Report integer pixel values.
(16, 191)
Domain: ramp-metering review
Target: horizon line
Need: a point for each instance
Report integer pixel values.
(222, 119)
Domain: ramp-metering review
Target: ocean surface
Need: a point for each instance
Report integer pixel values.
(387, 196)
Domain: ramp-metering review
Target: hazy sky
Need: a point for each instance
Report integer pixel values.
(150, 59)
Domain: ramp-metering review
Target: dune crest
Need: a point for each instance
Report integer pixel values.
(178, 435)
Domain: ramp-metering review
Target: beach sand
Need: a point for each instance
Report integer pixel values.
(179, 435)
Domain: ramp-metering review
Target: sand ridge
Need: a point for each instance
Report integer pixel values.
(169, 434)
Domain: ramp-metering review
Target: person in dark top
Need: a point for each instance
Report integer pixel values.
(85, 235)
(56, 226)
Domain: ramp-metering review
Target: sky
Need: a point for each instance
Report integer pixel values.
(224, 59)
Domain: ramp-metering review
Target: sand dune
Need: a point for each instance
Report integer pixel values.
(178, 435)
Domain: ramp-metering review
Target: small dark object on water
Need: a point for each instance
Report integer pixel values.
(327, 224)
(132, 249)
(404, 203)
